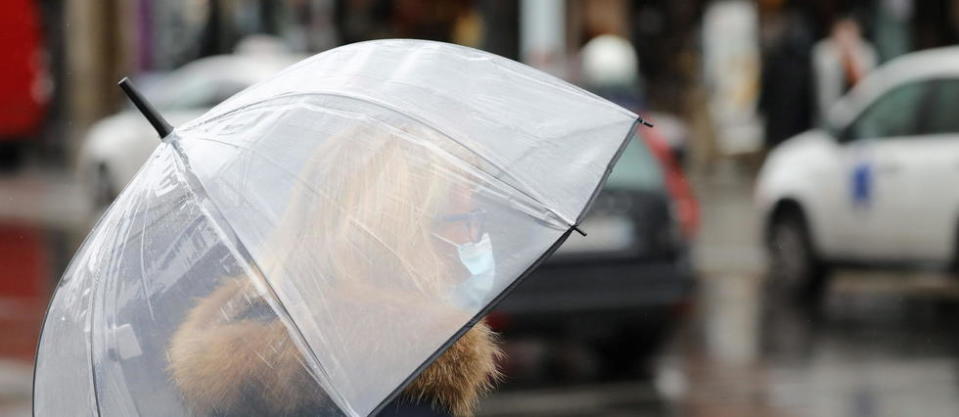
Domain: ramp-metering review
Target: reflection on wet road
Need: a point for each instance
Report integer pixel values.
(865, 352)
(40, 213)
(881, 344)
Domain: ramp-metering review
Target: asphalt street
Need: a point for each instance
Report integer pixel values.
(881, 344)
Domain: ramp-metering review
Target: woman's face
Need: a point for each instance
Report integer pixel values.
(461, 222)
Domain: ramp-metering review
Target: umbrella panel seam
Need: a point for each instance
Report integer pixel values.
(520, 187)
(491, 181)
(246, 260)
(472, 321)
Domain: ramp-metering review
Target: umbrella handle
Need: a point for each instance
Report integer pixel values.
(159, 123)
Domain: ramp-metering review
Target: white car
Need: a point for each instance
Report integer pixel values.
(115, 147)
(878, 184)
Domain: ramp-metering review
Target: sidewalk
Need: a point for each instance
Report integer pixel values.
(43, 214)
(16, 379)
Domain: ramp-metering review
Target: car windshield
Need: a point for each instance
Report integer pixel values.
(637, 169)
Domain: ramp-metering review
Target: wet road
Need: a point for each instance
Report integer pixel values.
(882, 343)
(43, 216)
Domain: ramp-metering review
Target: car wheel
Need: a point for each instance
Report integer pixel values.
(794, 267)
(11, 156)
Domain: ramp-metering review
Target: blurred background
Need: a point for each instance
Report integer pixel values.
(782, 243)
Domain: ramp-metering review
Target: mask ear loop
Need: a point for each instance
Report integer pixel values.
(450, 242)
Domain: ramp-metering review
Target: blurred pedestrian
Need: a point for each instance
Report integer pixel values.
(839, 62)
(785, 99)
(731, 75)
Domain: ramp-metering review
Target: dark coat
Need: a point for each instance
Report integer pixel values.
(231, 357)
(401, 407)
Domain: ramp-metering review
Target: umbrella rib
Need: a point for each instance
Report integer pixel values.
(532, 195)
(143, 283)
(93, 303)
(363, 227)
(239, 251)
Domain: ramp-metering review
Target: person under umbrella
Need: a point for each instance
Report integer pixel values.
(233, 356)
(327, 242)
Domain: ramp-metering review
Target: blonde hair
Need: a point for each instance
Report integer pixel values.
(358, 231)
(366, 208)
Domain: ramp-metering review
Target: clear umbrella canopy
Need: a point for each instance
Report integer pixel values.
(356, 213)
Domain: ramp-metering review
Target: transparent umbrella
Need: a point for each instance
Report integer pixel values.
(358, 212)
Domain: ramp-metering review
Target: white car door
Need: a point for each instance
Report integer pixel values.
(929, 165)
(902, 163)
(875, 175)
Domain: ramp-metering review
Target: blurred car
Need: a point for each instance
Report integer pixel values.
(672, 132)
(625, 285)
(115, 147)
(876, 184)
(24, 81)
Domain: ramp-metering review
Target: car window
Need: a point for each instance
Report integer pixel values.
(895, 113)
(637, 169)
(940, 115)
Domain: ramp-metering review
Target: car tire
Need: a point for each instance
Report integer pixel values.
(12, 155)
(794, 268)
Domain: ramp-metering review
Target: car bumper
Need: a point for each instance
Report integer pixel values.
(607, 293)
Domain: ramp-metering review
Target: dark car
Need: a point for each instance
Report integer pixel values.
(616, 292)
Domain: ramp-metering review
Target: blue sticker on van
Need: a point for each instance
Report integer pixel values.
(861, 184)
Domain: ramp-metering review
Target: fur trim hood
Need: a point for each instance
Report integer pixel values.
(233, 357)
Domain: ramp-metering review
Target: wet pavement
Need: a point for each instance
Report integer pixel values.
(42, 218)
(881, 344)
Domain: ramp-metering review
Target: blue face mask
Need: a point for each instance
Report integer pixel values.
(477, 257)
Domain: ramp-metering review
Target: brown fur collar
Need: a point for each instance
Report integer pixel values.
(457, 379)
(226, 363)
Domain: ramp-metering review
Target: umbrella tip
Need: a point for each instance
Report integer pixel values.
(644, 122)
(578, 230)
(159, 123)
